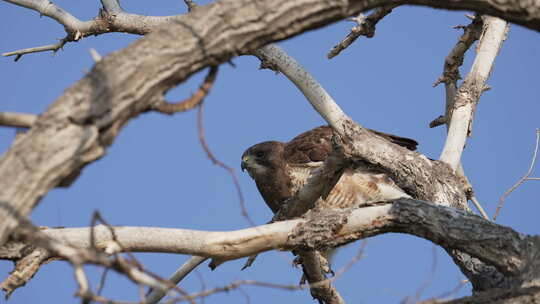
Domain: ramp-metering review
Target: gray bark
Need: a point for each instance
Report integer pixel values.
(79, 126)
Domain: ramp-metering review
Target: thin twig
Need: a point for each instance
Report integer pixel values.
(236, 284)
(440, 298)
(155, 295)
(452, 63)
(357, 257)
(365, 27)
(479, 207)
(110, 19)
(102, 281)
(430, 276)
(50, 47)
(215, 161)
(203, 283)
(245, 294)
(521, 180)
(77, 257)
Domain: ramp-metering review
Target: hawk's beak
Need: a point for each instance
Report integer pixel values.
(244, 165)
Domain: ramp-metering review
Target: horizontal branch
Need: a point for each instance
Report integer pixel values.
(511, 252)
(114, 19)
(111, 19)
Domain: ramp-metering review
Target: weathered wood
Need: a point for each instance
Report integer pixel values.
(513, 254)
(79, 126)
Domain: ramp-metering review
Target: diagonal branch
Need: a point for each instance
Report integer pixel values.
(157, 294)
(366, 27)
(468, 94)
(452, 63)
(450, 76)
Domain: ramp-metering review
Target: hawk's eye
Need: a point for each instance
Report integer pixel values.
(259, 153)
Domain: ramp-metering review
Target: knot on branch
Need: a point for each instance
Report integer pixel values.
(320, 231)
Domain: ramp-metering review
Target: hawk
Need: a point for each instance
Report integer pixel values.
(281, 169)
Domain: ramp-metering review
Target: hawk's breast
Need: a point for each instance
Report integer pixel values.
(356, 187)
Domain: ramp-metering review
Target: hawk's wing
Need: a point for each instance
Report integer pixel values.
(305, 153)
(316, 144)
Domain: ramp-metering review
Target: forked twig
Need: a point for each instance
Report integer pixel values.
(521, 180)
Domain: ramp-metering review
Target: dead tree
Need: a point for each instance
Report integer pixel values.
(81, 124)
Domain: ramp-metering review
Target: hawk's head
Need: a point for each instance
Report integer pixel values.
(262, 159)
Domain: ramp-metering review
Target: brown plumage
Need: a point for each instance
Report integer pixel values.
(281, 169)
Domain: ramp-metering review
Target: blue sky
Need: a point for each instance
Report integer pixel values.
(156, 174)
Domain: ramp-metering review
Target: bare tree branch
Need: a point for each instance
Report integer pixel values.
(366, 27)
(50, 47)
(157, 294)
(452, 63)
(111, 19)
(319, 185)
(19, 120)
(450, 76)
(467, 96)
(114, 19)
(521, 180)
(40, 247)
(45, 156)
(215, 161)
(89, 127)
(497, 245)
(272, 56)
(195, 99)
(364, 145)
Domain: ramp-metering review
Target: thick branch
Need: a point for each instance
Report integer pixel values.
(512, 253)
(450, 76)
(273, 57)
(78, 127)
(467, 96)
(114, 19)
